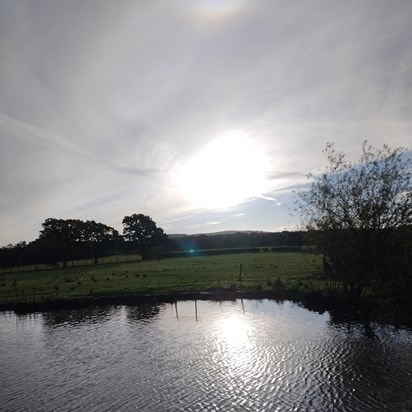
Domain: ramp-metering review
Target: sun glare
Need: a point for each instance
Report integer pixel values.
(234, 331)
(217, 9)
(235, 340)
(227, 171)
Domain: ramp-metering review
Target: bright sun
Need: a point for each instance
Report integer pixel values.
(227, 171)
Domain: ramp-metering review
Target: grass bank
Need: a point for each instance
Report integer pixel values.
(263, 271)
(283, 275)
(70, 264)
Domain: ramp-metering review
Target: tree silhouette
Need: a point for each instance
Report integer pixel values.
(71, 237)
(143, 233)
(359, 215)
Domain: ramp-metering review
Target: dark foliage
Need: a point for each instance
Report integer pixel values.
(236, 240)
(359, 215)
(76, 239)
(143, 235)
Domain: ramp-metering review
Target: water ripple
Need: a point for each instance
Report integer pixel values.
(235, 356)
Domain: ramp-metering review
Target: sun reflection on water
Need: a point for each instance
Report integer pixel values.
(236, 344)
(234, 331)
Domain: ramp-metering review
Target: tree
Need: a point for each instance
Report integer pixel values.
(74, 238)
(99, 236)
(14, 255)
(360, 215)
(143, 233)
(63, 234)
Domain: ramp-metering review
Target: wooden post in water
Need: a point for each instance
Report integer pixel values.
(196, 309)
(177, 314)
(240, 272)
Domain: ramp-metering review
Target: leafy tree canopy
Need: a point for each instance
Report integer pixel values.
(357, 212)
(68, 231)
(143, 232)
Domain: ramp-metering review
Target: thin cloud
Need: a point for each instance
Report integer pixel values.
(34, 134)
(100, 105)
(271, 199)
(135, 171)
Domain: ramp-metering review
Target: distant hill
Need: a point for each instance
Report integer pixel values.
(230, 239)
(224, 232)
(176, 235)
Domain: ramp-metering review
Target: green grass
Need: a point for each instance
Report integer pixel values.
(260, 271)
(70, 264)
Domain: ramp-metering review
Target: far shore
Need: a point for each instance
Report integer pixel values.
(341, 311)
(293, 276)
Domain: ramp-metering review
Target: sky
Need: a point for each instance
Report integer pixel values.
(205, 115)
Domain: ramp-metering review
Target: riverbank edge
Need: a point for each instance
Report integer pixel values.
(133, 299)
(340, 309)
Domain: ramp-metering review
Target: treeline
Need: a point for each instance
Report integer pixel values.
(63, 240)
(236, 240)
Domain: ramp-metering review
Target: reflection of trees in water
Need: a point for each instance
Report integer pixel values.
(362, 360)
(360, 366)
(86, 315)
(143, 312)
(371, 360)
(343, 316)
(352, 325)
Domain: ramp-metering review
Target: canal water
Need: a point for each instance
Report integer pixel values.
(243, 355)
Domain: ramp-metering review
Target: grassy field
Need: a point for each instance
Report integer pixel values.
(259, 271)
(70, 264)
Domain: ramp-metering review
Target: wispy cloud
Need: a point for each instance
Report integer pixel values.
(33, 134)
(212, 223)
(100, 105)
(271, 199)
